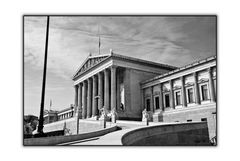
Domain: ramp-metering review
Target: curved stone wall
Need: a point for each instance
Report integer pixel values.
(194, 133)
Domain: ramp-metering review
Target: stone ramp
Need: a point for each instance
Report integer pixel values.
(120, 123)
(129, 124)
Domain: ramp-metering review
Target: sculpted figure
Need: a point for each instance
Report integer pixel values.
(145, 116)
(113, 115)
(102, 112)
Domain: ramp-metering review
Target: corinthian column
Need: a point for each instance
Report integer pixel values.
(113, 87)
(89, 99)
(94, 104)
(76, 98)
(106, 90)
(84, 98)
(100, 90)
(80, 100)
(118, 91)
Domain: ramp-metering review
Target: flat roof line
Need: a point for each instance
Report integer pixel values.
(181, 68)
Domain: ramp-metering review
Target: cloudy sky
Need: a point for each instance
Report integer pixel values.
(171, 40)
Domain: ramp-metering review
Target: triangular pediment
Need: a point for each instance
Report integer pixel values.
(89, 63)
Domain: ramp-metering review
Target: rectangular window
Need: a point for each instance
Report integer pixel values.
(190, 95)
(167, 100)
(204, 92)
(178, 98)
(189, 120)
(148, 105)
(157, 103)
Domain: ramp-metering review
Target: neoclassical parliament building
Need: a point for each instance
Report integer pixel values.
(128, 86)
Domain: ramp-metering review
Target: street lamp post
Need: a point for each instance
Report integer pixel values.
(41, 119)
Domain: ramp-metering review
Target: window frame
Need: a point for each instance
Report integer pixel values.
(155, 102)
(164, 100)
(201, 92)
(147, 98)
(175, 98)
(187, 94)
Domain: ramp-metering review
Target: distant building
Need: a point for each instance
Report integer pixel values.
(66, 113)
(53, 116)
(50, 116)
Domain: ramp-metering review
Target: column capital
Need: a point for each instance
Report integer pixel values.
(89, 80)
(113, 67)
(106, 70)
(85, 81)
(100, 74)
(80, 84)
(94, 77)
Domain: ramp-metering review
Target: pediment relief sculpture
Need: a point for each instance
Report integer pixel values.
(90, 62)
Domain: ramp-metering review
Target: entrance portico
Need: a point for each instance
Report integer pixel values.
(108, 82)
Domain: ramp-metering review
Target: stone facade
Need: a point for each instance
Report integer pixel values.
(183, 95)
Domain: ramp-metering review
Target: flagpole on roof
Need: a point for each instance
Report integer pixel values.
(50, 104)
(99, 40)
(41, 119)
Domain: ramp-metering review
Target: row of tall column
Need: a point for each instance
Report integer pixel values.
(94, 93)
(183, 92)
